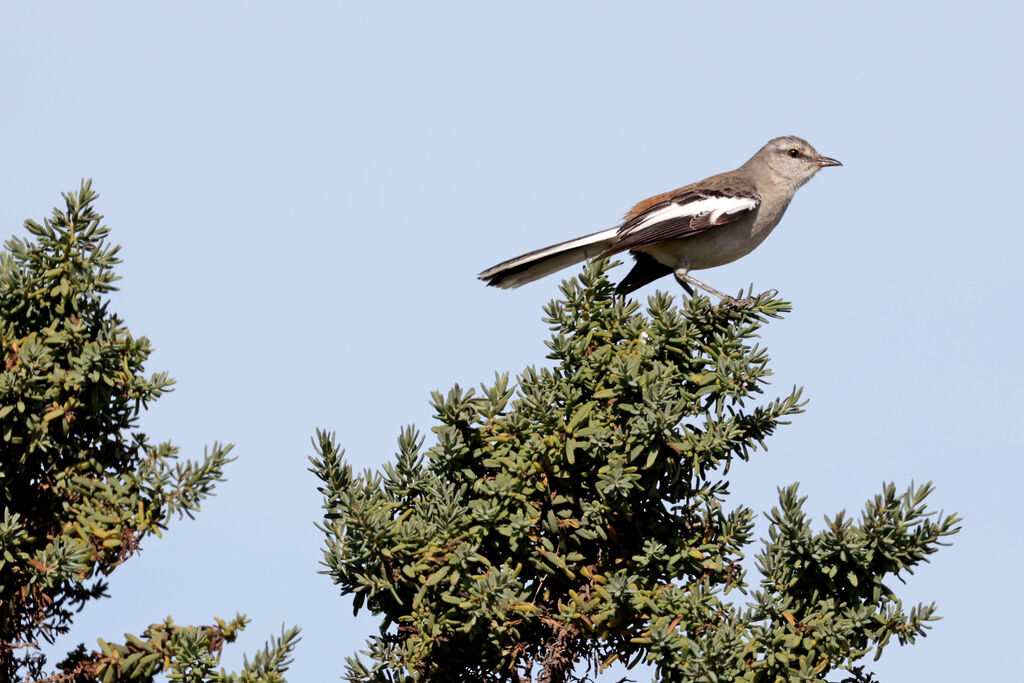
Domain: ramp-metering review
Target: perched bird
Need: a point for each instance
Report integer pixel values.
(703, 225)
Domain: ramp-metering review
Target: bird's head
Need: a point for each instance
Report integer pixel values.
(792, 159)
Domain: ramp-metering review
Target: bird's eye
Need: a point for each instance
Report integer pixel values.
(794, 152)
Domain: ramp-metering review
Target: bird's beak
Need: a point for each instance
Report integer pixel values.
(827, 161)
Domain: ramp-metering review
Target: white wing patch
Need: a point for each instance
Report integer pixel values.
(716, 206)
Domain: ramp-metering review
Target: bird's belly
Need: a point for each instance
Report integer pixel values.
(715, 247)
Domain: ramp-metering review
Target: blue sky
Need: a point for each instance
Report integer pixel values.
(305, 193)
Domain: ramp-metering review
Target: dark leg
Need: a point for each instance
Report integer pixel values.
(684, 284)
(684, 279)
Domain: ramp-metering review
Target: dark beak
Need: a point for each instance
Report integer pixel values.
(826, 161)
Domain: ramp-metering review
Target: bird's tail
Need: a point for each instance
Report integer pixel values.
(536, 264)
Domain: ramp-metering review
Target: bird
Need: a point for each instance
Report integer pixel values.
(702, 225)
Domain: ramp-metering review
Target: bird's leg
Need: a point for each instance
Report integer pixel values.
(682, 280)
(707, 288)
(685, 279)
(680, 271)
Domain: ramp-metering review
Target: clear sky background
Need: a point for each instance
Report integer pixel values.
(305, 193)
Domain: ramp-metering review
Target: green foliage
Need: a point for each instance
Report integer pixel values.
(80, 486)
(579, 517)
(189, 654)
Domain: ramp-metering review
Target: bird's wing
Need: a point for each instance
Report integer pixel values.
(683, 213)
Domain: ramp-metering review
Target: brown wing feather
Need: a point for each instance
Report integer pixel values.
(676, 227)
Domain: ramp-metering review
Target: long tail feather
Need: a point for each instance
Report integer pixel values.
(536, 264)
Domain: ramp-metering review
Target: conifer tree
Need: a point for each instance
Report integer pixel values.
(81, 488)
(581, 515)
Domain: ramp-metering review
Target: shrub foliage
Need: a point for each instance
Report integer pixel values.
(580, 517)
(81, 488)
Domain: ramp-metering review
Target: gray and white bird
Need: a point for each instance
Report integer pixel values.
(702, 225)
